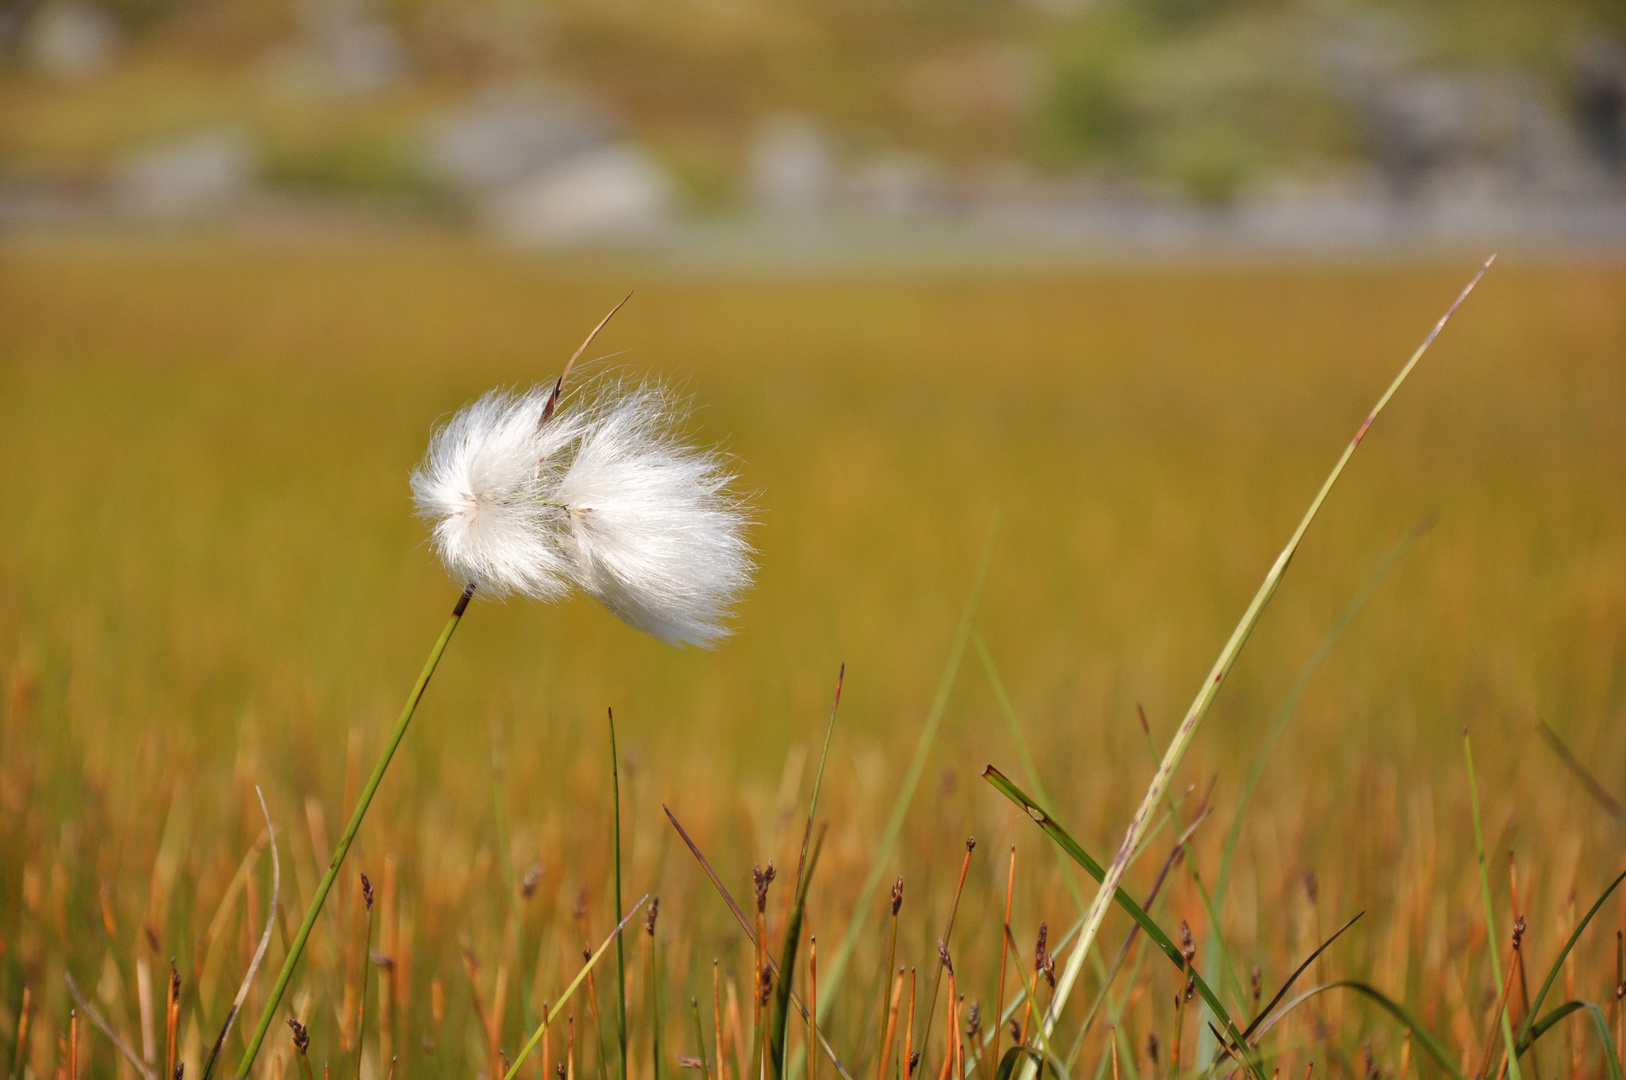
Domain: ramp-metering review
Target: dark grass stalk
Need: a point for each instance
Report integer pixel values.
(366, 969)
(943, 942)
(911, 778)
(620, 951)
(654, 1002)
(278, 988)
(1108, 890)
(1490, 914)
(73, 1044)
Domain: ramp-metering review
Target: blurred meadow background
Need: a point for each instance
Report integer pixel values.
(1043, 320)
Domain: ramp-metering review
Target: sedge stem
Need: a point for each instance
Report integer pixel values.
(297, 947)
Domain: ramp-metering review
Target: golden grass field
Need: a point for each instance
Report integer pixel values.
(211, 579)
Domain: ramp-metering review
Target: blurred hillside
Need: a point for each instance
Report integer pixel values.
(557, 121)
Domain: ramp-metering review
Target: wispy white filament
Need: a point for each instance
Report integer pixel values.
(603, 496)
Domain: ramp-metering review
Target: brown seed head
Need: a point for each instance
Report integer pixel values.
(1039, 950)
(943, 956)
(654, 912)
(1518, 932)
(1188, 948)
(765, 983)
(367, 892)
(762, 878)
(533, 878)
(897, 894)
(1151, 1047)
(970, 844)
(973, 1021)
(914, 1059)
(302, 1035)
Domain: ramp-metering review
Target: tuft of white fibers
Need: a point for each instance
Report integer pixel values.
(603, 495)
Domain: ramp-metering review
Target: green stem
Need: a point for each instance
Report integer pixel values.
(620, 953)
(343, 848)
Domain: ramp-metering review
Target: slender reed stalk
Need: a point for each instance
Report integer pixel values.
(1210, 687)
(73, 1044)
(717, 1020)
(297, 948)
(172, 1022)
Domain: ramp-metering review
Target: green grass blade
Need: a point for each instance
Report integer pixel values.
(1419, 1034)
(1552, 972)
(911, 779)
(620, 950)
(1547, 1023)
(1491, 936)
(1124, 900)
(1222, 667)
(1605, 1036)
(564, 998)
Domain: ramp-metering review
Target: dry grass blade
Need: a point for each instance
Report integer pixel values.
(95, 1018)
(1227, 658)
(265, 938)
(559, 384)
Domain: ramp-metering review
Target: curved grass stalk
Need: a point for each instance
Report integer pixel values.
(1222, 667)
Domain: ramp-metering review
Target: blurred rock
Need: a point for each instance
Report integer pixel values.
(197, 176)
(344, 50)
(68, 40)
(1598, 89)
(790, 167)
(897, 183)
(506, 135)
(608, 194)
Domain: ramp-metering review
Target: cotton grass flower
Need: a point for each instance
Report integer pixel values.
(601, 495)
(527, 497)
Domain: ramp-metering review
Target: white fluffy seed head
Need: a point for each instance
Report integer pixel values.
(604, 496)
